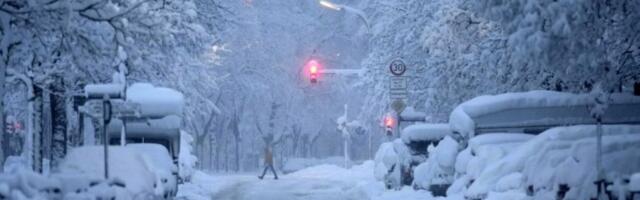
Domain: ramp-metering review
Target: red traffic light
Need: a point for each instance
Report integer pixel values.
(388, 121)
(314, 67)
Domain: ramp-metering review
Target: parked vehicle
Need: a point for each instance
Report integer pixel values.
(159, 161)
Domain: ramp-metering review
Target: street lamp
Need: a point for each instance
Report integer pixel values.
(340, 7)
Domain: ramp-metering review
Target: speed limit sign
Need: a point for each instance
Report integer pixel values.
(397, 67)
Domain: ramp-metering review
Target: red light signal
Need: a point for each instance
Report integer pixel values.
(313, 67)
(388, 122)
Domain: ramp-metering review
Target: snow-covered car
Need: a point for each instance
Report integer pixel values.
(437, 173)
(395, 161)
(127, 168)
(166, 173)
(561, 162)
(392, 164)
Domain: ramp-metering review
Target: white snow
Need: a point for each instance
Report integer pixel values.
(159, 161)
(156, 101)
(411, 113)
(186, 159)
(124, 164)
(537, 108)
(563, 155)
(439, 168)
(295, 164)
(424, 132)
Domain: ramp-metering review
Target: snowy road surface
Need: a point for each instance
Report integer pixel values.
(315, 183)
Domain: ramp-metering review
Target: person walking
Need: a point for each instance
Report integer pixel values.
(268, 163)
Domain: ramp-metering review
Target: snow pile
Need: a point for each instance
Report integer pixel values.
(462, 119)
(425, 132)
(124, 164)
(156, 101)
(186, 159)
(24, 184)
(563, 155)
(439, 168)
(295, 164)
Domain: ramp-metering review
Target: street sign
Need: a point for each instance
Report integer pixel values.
(398, 83)
(398, 105)
(397, 67)
(398, 94)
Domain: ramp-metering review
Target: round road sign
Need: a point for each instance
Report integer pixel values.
(397, 67)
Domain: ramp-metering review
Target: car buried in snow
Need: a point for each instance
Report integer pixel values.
(409, 151)
(495, 127)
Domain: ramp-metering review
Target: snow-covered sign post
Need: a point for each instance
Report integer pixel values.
(104, 92)
(597, 111)
(398, 88)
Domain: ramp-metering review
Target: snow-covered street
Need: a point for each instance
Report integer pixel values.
(315, 183)
(344, 99)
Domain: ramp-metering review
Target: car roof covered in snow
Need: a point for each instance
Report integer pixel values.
(425, 132)
(536, 111)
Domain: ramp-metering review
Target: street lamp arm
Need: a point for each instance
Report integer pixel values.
(360, 14)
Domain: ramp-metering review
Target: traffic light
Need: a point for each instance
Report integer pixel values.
(388, 124)
(314, 68)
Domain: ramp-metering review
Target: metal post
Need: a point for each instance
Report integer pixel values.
(104, 135)
(600, 176)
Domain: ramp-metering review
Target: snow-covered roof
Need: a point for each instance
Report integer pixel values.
(156, 102)
(424, 132)
(536, 111)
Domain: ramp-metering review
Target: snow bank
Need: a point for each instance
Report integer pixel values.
(156, 102)
(295, 164)
(425, 132)
(563, 155)
(465, 116)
